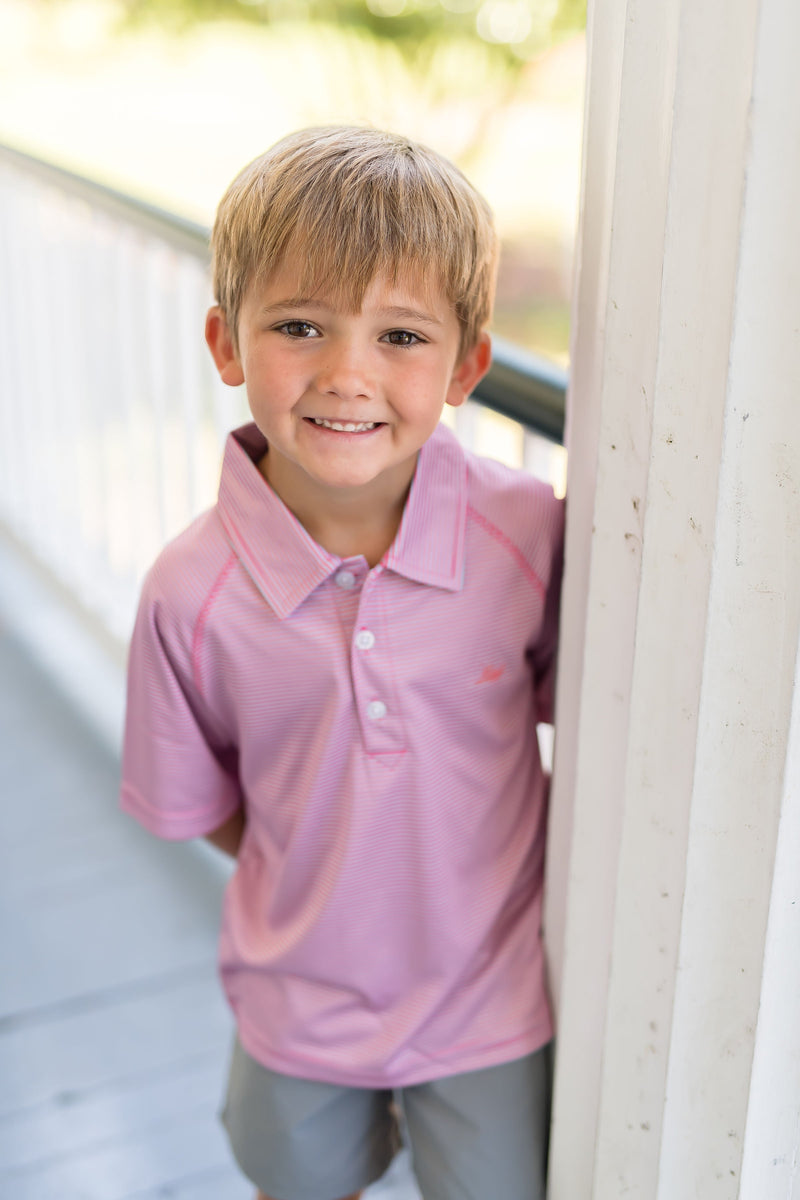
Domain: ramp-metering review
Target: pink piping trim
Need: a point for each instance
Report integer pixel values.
(320, 557)
(201, 620)
(500, 537)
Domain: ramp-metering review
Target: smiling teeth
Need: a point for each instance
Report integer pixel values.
(344, 427)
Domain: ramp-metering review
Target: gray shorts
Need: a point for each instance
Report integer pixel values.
(481, 1135)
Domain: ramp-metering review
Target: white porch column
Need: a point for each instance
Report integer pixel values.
(673, 903)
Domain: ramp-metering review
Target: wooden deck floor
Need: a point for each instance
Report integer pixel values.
(113, 1031)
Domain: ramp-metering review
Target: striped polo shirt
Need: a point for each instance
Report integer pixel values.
(382, 926)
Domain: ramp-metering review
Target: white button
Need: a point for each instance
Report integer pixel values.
(346, 580)
(365, 639)
(376, 709)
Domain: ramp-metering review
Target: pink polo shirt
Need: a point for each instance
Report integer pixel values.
(382, 926)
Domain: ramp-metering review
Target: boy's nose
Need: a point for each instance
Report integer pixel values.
(343, 372)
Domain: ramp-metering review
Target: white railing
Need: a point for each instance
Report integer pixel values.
(112, 417)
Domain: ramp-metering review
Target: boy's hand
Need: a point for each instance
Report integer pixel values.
(228, 837)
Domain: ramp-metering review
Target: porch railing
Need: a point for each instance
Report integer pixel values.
(112, 417)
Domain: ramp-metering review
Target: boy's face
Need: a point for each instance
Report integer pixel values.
(345, 400)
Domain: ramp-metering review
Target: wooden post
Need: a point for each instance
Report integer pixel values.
(671, 921)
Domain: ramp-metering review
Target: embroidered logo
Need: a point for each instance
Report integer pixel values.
(490, 674)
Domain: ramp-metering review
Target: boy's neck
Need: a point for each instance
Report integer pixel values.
(346, 522)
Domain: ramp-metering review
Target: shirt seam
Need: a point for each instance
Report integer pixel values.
(202, 617)
(536, 1035)
(285, 603)
(500, 537)
(183, 824)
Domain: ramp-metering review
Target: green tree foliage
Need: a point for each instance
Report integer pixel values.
(515, 29)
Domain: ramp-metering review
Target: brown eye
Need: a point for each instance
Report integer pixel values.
(402, 337)
(297, 329)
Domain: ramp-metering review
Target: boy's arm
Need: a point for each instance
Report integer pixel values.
(179, 763)
(228, 837)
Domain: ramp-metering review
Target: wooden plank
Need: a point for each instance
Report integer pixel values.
(92, 1046)
(223, 1183)
(168, 1148)
(76, 1121)
(99, 916)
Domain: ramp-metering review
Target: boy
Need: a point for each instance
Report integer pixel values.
(336, 676)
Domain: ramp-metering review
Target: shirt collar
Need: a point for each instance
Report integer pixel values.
(429, 546)
(284, 561)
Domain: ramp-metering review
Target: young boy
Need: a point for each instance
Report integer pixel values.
(336, 676)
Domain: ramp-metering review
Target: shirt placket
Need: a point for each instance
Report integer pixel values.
(374, 684)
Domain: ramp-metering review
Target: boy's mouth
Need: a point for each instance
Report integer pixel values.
(345, 426)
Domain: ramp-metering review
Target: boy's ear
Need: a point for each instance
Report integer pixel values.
(470, 371)
(220, 343)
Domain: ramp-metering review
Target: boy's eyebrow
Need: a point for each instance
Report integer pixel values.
(292, 302)
(398, 313)
(410, 314)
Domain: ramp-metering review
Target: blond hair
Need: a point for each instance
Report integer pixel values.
(350, 204)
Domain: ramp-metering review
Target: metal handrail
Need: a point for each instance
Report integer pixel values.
(177, 231)
(524, 386)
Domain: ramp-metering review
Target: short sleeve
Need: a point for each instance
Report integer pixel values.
(179, 775)
(544, 653)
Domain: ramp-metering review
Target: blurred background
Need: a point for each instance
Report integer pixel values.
(114, 1035)
(167, 99)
